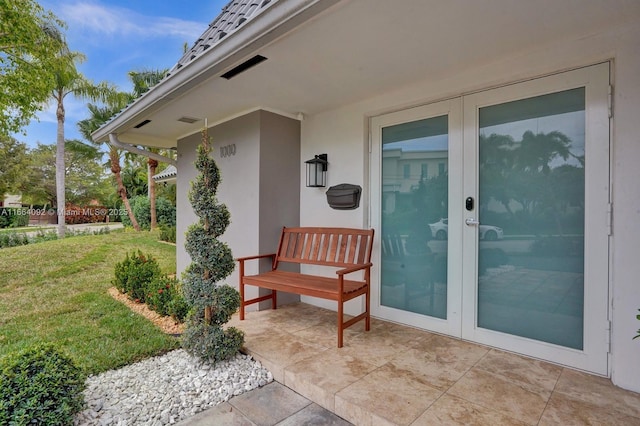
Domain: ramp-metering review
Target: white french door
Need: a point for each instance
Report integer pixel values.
(492, 214)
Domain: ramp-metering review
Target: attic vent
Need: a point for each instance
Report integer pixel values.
(189, 120)
(243, 67)
(142, 123)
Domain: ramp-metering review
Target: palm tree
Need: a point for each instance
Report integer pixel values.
(142, 82)
(99, 116)
(69, 81)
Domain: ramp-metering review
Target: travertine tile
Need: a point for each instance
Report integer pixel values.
(319, 378)
(407, 335)
(405, 366)
(326, 334)
(509, 398)
(440, 361)
(292, 317)
(387, 393)
(277, 350)
(250, 325)
(520, 369)
(450, 410)
(376, 347)
(566, 411)
(598, 391)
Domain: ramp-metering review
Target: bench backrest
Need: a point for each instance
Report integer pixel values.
(340, 247)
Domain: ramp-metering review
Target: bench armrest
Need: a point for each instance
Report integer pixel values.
(260, 256)
(354, 268)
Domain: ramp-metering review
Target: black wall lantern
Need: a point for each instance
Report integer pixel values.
(317, 171)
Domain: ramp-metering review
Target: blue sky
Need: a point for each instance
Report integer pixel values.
(118, 36)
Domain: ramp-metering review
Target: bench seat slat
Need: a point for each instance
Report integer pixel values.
(308, 285)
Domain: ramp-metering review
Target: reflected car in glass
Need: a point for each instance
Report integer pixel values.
(440, 231)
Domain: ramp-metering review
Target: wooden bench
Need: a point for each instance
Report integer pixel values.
(345, 248)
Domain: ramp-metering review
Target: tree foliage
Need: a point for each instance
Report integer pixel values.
(212, 261)
(99, 116)
(84, 175)
(13, 163)
(30, 39)
(69, 81)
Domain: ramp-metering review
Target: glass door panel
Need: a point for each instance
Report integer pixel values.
(531, 210)
(535, 244)
(414, 216)
(416, 172)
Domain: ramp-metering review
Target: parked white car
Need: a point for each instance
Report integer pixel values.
(440, 231)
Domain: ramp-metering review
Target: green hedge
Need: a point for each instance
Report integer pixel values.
(134, 273)
(13, 217)
(40, 386)
(141, 207)
(168, 233)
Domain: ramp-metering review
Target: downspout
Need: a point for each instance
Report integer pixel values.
(113, 140)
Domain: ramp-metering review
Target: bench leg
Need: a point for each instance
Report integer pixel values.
(367, 321)
(274, 299)
(340, 322)
(241, 300)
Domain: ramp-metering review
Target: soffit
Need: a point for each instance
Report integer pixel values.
(360, 48)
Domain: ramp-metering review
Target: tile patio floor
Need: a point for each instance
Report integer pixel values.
(397, 375)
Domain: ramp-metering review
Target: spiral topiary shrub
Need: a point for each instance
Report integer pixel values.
(40, 386)
(212, 303)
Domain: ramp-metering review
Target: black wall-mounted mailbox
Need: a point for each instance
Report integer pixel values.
(344, 196)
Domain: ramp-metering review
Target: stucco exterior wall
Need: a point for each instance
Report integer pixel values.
(343, 134)
(260, 176)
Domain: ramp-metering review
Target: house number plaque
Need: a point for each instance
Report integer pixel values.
(228, 150)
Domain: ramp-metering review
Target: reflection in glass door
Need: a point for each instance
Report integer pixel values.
(531, 210)
(414, 216)
(536, 242)
(491, 210)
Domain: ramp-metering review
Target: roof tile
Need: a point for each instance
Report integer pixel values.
(233, 16)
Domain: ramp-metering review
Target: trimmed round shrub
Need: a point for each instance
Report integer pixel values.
(168, 233)
(210, 342)
(164, 295)
(141, 207)
(40, 386)
(134, 273)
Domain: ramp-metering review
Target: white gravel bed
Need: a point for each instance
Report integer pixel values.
(166, 389)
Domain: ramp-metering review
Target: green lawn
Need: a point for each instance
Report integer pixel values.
(56, 291)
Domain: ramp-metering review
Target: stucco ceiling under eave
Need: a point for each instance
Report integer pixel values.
(360, 48)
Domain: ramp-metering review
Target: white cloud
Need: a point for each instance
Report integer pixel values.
(113, 21)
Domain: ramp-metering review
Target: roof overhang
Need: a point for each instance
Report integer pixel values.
(322, 54)
(276, 20)
(168, 175)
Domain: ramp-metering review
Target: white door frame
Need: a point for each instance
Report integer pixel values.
(593, 357)
(453, 109)
(463, 242)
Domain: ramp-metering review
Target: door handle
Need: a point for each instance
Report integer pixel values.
(471, 222)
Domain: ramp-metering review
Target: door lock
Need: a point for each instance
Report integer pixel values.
(468, 204)
(472, 222)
